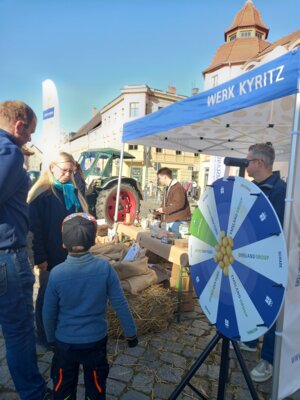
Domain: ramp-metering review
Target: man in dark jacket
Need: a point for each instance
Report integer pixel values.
(175, 208)
(17, 123)
(261, 158)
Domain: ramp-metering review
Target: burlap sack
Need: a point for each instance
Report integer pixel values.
(110, 252)
(137, 284)
(127, 269)
(161, 273)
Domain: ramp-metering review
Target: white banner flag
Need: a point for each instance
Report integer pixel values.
(216, 169)
(51, 123)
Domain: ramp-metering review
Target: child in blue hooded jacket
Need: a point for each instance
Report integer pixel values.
(75, 309)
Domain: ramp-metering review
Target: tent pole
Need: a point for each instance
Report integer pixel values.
(119, 186)
(287, 233)
(146, 157)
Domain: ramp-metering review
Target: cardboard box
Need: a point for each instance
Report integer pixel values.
(183, 243)
(133, 252)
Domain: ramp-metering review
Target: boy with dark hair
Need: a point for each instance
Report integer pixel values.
(175, 208)
(74, 312)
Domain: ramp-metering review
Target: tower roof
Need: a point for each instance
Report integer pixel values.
(248, 16)
(237, 52)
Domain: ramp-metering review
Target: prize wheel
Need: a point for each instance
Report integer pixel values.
(238, 258)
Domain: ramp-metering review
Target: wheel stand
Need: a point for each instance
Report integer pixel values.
(224, 369)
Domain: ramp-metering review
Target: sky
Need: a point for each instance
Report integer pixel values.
(92, 48)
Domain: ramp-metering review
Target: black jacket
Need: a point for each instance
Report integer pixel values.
(275, 189)
(46, 214)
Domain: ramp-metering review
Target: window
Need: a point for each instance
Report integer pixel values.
(259, 35)
(214, 80)
(245, 34)
(100, 164)
(133, 109)
(232, 37)
(133, 147)
(178, 152)
(137, 174)
(174, 173)
(196, 154)
(158, 150)
(87, 160)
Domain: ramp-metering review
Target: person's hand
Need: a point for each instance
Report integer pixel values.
(160, 210)
(43, 266)
(132, 341)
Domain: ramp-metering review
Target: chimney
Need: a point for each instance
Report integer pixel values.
(195, 91)
(171, 89)
(94, 111)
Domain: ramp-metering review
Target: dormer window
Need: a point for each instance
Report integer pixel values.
(232, 37)
(258, 35)
(245, 34)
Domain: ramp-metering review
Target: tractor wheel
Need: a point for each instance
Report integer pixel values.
(106, 203)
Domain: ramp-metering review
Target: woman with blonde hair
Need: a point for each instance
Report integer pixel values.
(51, 199)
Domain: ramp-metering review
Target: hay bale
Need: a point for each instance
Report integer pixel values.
(152, 311)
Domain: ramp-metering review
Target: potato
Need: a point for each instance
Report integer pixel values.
(230, 240)
(228, 250)
(226, 261)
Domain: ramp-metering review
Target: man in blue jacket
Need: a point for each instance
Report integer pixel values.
(17, 124)
(75, 312)
(261, 158)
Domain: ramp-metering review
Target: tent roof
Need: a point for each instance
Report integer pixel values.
(257, 106)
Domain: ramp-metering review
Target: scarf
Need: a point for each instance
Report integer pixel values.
(70, 197)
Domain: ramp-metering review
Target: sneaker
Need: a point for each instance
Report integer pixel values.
(262, 372)
(243, 347)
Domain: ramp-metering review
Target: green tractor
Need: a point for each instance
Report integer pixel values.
(99, 167)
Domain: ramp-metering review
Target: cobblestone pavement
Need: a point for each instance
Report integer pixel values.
(154, 368)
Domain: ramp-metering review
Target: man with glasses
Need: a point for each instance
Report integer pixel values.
(261, 158)
(17, 124)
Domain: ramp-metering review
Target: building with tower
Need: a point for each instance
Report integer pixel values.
(245, 46)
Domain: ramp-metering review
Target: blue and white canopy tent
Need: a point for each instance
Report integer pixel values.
(259, 106)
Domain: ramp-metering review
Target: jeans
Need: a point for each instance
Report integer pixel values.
(267, 351)
(17, 320)
(65, 368)
(43, 278)
(174, 226)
